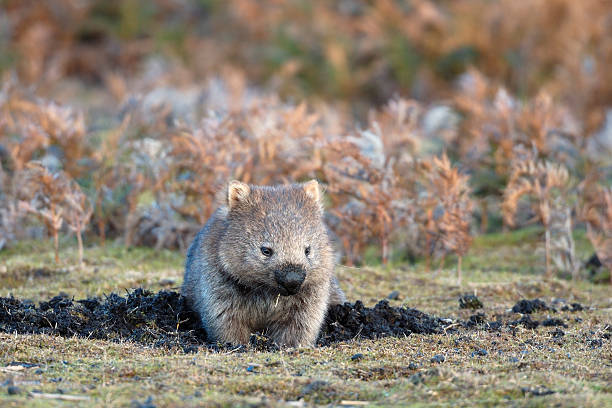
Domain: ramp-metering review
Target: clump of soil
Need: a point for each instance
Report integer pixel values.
(525, 306)
(526, 321)
(553, 322)
(475, 320)
(345, 322)
(163, 320)
(470, 302)
(574, 307)
(159, 319)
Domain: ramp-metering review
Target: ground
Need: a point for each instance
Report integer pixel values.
(460, 366)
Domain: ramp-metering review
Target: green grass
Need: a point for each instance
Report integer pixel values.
(500, 269)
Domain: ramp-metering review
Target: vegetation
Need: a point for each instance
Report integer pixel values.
(467, 135)
(150, 136)
(530, 367)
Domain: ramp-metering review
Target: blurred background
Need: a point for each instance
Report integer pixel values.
(428, 122)
(357, 53)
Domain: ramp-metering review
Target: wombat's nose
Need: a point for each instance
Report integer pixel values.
(290, 278)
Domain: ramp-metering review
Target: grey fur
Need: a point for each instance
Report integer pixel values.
(232, 285)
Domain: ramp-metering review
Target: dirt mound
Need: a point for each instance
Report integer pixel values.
(345, 322)
(529, 306)
(159, 319)
(162, 320)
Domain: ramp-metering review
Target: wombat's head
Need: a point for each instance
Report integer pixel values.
(275, 237)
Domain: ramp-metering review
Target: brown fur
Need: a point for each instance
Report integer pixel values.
(237, 290)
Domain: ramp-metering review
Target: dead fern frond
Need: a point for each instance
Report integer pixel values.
(42, 194)
(596, 212)
(32, 125)
(364, 190)
(78, 211)
(547, 187)
(445, 209)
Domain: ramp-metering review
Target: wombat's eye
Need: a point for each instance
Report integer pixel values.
(307, 250)
(266, 251)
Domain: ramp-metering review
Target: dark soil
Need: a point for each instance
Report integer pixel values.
(553, 322)
(345, 322)
(526, 321)
(476, 319)
(529, 306)
(574, 307)
(159, 319)
(470, 302)
(163, 320)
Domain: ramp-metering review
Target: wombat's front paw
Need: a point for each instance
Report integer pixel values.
(294, 336)
(234, 333)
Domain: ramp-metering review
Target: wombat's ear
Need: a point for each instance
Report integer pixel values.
(312, 190)
(237, 192)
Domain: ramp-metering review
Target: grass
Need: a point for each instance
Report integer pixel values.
(521, 368)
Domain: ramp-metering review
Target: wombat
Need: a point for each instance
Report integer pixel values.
(263, 263)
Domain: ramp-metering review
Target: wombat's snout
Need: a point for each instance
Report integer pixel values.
(290, 278)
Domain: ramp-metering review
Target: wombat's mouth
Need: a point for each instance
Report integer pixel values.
(289, 279)
(287, 292)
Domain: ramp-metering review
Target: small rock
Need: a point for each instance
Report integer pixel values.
(148, 403)
(468, 301)
(393, 295)
(557, 333)
(416, 378)
(438, 358)
(538, 391)
(13, 390)
(595, 343)
(553, 322)
(480, 352)
(357, 357)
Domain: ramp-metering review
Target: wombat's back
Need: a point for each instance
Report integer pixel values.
(202, 260)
